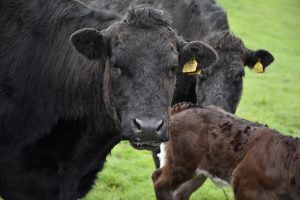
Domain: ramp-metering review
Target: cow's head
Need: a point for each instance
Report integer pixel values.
(222, 84)
(141, 55)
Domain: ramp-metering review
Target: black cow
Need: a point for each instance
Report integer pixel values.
(207, 21)
(61, 113)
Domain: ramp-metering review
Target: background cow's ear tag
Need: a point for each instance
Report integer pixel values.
(197, 72)
(190, 66)
(258, 67)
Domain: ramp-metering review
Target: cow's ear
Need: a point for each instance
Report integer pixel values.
(258, 60)
(90, 43)
(196, 56)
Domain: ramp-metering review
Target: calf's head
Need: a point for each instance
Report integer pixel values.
(222, 84)
(141, 55)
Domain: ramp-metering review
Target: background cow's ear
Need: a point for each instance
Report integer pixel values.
(90, 43)
(252, 57)
(204, 54)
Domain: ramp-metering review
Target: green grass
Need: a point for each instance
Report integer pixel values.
(272, 98)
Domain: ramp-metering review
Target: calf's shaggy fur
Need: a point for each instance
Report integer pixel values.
(258, 162)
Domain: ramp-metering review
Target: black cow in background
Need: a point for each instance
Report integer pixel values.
(61, 113)
(207, 21)
(221, 85)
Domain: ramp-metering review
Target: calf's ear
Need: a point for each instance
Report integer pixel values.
(258, 60)
(90, 43)
(195, 56)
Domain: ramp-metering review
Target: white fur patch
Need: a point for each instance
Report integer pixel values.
(217, 181)
(162, 155)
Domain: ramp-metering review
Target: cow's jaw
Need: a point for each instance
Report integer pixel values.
(140, 145)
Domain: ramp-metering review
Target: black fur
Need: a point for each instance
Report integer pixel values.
(61, 113)
(147, 18)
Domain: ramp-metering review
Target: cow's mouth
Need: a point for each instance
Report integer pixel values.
(150, 145)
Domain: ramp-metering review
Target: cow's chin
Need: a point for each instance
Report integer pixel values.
(144, 145)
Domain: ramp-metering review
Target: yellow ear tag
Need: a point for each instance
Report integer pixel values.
(197, 72)
(190, 66)
(258, 67)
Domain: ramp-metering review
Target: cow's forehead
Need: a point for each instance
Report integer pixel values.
(225, 42)
(134, 36)
(143, 41)
(145, 55)
(151, 56)
(233, 57)
(231, 61)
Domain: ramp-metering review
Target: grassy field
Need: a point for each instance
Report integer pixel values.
(272, 98)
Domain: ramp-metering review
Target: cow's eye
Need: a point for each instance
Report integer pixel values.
(115, 65)
(116, 69)
(172, 70)
(239, 77)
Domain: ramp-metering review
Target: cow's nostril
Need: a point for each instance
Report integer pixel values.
(161, 123)
(137, 124)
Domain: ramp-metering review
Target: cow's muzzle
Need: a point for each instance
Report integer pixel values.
(148, 133)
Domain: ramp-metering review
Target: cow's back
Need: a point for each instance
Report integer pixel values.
(192, 19)
(196, 19)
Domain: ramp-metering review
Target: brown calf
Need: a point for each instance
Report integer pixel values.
(258, 162)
